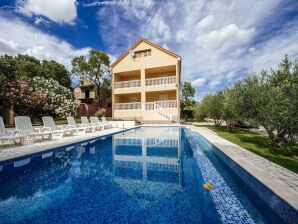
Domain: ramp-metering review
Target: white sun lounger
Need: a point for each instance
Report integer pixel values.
(106, 123)
(96, 121)
(79, 127)
(9, 136)
(85, 121)
(24, 127)
(49, 125)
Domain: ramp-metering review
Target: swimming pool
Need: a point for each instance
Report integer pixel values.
(144, 175)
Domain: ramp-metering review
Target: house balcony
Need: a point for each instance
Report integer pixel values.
(147, 105)
(128, 106)
(161, 81)
(127, 84)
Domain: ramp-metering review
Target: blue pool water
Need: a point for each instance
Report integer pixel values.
(145, 175)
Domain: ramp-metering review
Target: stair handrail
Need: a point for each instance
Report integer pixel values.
(163, 111)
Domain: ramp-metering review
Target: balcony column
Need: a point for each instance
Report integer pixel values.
(143, 85)
(178, 87)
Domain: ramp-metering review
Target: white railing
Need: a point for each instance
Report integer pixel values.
(162, 111)
(128, 84)
(146, 106)
(149, 106)
(128, 106)
(161, 81)
(167, 103)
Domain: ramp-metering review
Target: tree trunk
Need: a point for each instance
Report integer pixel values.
(276, 140)
(99, 96)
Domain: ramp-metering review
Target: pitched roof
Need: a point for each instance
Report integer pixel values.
(147, 42)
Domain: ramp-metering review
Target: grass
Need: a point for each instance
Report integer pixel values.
(260, 145)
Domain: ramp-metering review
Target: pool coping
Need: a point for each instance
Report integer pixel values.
(44, 146)
(286, 193)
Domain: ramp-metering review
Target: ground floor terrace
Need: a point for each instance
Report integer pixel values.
(156, 105)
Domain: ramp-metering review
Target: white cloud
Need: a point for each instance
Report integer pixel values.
(227, 36)
(165, 46)
(206, 24)
(181, 36)
(215, 82)
(219, 41)
(198, 82)
(61, 11)
(20, 37)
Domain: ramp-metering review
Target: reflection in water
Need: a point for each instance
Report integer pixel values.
(153, 155)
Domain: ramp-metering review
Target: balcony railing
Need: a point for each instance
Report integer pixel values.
(127, 84)
(167, 103)
(128, 106)
(146, 106)
(161, 81)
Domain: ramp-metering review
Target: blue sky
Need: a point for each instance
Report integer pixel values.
(219, 41)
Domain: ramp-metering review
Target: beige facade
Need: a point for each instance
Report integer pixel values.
(145, 84)
(85, 97)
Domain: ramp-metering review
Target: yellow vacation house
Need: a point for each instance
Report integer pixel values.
(145, 84)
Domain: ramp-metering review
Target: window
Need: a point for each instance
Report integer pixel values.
(87, 93)
(144, 53)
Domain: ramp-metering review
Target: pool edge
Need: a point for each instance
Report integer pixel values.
(288, 197)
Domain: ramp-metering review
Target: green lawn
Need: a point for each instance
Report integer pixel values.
(260, 145)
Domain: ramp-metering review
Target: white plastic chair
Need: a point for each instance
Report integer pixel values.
(24, 127)
(9, 136)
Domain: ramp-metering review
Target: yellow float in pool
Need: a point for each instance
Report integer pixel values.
(207, 186)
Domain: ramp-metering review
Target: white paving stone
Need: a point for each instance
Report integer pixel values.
(280, 180)
(14, 151)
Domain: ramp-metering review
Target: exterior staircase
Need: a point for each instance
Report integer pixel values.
(160, 115)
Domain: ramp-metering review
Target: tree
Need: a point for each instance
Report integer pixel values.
(200, 112)
(213, 104)
(26, 101)
(8, 76)
(27, 67)
(278, 103)
(54, 70)
(186, 100)
(94, 68)
(61, 102)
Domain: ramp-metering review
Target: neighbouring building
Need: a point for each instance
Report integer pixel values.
(145, 84)
(86, 99)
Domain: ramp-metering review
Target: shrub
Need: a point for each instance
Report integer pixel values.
(100, 112)
(61, 100)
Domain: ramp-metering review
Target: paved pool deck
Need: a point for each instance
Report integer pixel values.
(8, 152)
(281, 181)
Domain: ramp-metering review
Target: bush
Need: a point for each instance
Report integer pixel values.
(61, 100)
(100, 113)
